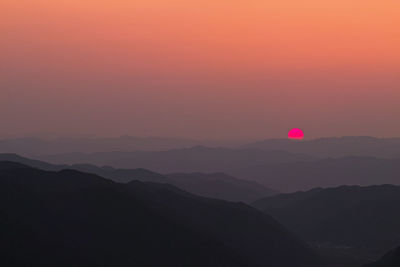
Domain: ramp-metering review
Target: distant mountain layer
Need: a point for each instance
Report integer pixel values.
(335, 147)
(196, 159)
(295, 176)
(69, 218)
(352, 217)
(321, 147)
(282, 171)
(215, 185)
(391, 259)
(37, 146)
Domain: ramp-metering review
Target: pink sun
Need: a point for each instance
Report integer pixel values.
(296, 134)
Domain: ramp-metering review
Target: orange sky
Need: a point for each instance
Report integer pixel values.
(237, 69)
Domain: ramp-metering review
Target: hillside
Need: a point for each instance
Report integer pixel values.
(390, 259)
(69, 218)
(215, 185)
(352, 217)
(220, 185)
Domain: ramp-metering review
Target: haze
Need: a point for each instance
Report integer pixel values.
(202, 69)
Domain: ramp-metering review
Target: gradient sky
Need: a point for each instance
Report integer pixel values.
(203, 69)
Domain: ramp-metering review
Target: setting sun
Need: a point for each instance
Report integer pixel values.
(296, 134)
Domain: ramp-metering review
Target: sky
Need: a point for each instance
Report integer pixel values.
(202, 69)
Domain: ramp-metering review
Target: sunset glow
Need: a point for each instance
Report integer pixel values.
(144, 61)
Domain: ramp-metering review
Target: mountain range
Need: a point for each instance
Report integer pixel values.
(319, 148)
(329, 172)
(361, 220)
(31, 146)
(335, 146)
(71, 218)
(195, 159)
(213, 185)
(279, 170)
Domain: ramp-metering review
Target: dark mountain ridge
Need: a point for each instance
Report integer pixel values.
(216, 185)
(352, 217)
(70, 218)
(220, 185)
(390, 259)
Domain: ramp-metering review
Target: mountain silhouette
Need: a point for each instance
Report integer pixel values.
(214, 185)
(31, 146)
(220, 185)
(15, 158)
(195, 159)
(71, 218)
(330, 172)
(335, 146)
(320, 148)
(390, 259)
(350, 217)
(279, 170)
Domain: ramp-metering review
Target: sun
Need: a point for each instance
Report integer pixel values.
(296, 134)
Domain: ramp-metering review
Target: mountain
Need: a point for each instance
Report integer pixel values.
(70, 218)
(335, 146)
(195, 159)
(354, 218)
(320, 148)
(215, 185)
(37, 146)
(330, 172)
(391, 259)
(8, 165)
(280, 170)
(11, 157)
(220, 185)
